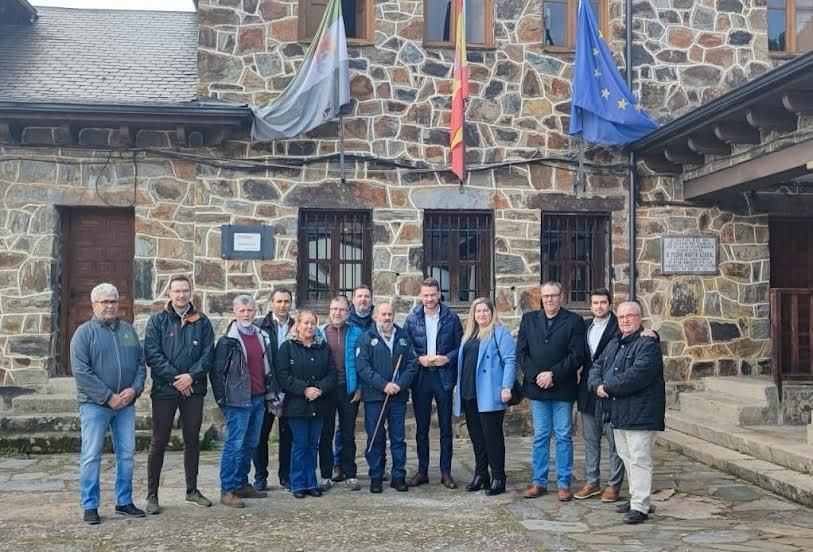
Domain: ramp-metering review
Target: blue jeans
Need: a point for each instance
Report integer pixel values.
(392, 423)
(243, 426)
(556, 417)
(95, 420)
(427, 388)
(304, 452)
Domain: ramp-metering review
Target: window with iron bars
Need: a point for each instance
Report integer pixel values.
(457, 252)
(335, 253)
(575, 250)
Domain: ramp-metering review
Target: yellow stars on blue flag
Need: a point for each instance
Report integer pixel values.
(599, 107)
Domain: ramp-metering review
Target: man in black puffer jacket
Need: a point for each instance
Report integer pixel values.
(629, 376)
(179, 349)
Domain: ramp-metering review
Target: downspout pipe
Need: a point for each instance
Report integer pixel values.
(632, 171)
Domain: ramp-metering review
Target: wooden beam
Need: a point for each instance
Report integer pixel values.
(682, 155)
(126, 135)
(707, 144)
(659, 164)
(766, 168)
(180, 133)
(771, 119)
(737, 133)
(798, 101)
(13, 130)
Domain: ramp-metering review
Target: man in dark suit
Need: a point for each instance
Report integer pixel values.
(550, 350)
(599, 331)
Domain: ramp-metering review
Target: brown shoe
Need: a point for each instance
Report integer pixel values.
(231, 500)
(534, 491)
(564, 495)
(418, 479)
(610, 494)
(447, 481)
(587, 491)
(248, 491)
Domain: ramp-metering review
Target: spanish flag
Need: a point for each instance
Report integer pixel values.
(460, 92)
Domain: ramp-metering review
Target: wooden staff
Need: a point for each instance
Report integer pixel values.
(384, 408)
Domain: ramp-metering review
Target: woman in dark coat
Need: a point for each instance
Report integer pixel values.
(306, 371)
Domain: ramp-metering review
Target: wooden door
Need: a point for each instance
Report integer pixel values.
(98, 247)
(791, 248)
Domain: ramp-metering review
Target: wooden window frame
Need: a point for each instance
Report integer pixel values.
(600, 260)
(572, 16)
(335, 216)
(302, 24)
(790, 31)
(489, 29)
(435, 218)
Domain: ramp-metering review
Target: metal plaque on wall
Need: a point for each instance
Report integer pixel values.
(246, 241)
(689, 254)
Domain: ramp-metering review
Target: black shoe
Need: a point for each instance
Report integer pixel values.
(314, 492)
(399, 485)
(92, 517)
(376, 486)
(130, 510)
(298, 494)
(497, 487)
(624, 507)
(479, 483)
(634, 517)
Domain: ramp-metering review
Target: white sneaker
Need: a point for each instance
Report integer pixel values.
(326, 484)
(353, 484)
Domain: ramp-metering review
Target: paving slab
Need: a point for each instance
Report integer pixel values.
(698, 508)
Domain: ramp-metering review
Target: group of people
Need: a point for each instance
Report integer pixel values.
(307, 376)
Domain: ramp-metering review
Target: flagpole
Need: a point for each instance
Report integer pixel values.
(631, 167)
(580, 172)
(343, 180)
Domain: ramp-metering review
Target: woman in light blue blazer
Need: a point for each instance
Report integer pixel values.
(486, 368)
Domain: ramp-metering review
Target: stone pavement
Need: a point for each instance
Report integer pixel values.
(697, 508)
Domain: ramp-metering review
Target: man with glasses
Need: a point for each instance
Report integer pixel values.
(628, 377)
(344, 401)
(550, 350)
(179, 346)
(108, 366)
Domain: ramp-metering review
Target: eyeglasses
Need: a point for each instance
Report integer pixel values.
(629, 316)
(107, 302)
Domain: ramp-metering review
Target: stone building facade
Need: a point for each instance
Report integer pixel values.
(396, 135)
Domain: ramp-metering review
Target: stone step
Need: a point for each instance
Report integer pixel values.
(797, 456)
(726, 408)
(70, 441)
(773, 477)
(62, 402)
(757, 389)
(35, 422)
(44, 403)
(61, 386)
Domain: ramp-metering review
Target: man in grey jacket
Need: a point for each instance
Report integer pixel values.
(108, 366)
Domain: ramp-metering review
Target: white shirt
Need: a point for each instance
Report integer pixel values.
(432, 322)
(595, 332)
(282, 330)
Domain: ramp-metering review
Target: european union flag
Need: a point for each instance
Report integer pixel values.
(602, 110)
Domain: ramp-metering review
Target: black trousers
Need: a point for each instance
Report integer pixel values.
(348, 412)
(261, 454)
(163, 415)
(487, 439)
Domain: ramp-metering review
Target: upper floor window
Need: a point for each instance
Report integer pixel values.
(357, 14)
(575, 250)
(440, 18)
(559, 21)
(790, 25)
(335, 253)
(457, 251)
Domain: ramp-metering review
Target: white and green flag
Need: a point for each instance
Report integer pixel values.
(318, 90)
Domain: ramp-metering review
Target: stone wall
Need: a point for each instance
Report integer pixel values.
(181, 203)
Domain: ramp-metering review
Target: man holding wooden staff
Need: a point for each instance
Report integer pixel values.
(386, 365)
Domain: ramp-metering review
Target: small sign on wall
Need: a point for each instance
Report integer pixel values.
(689, 254)
(246, 241)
